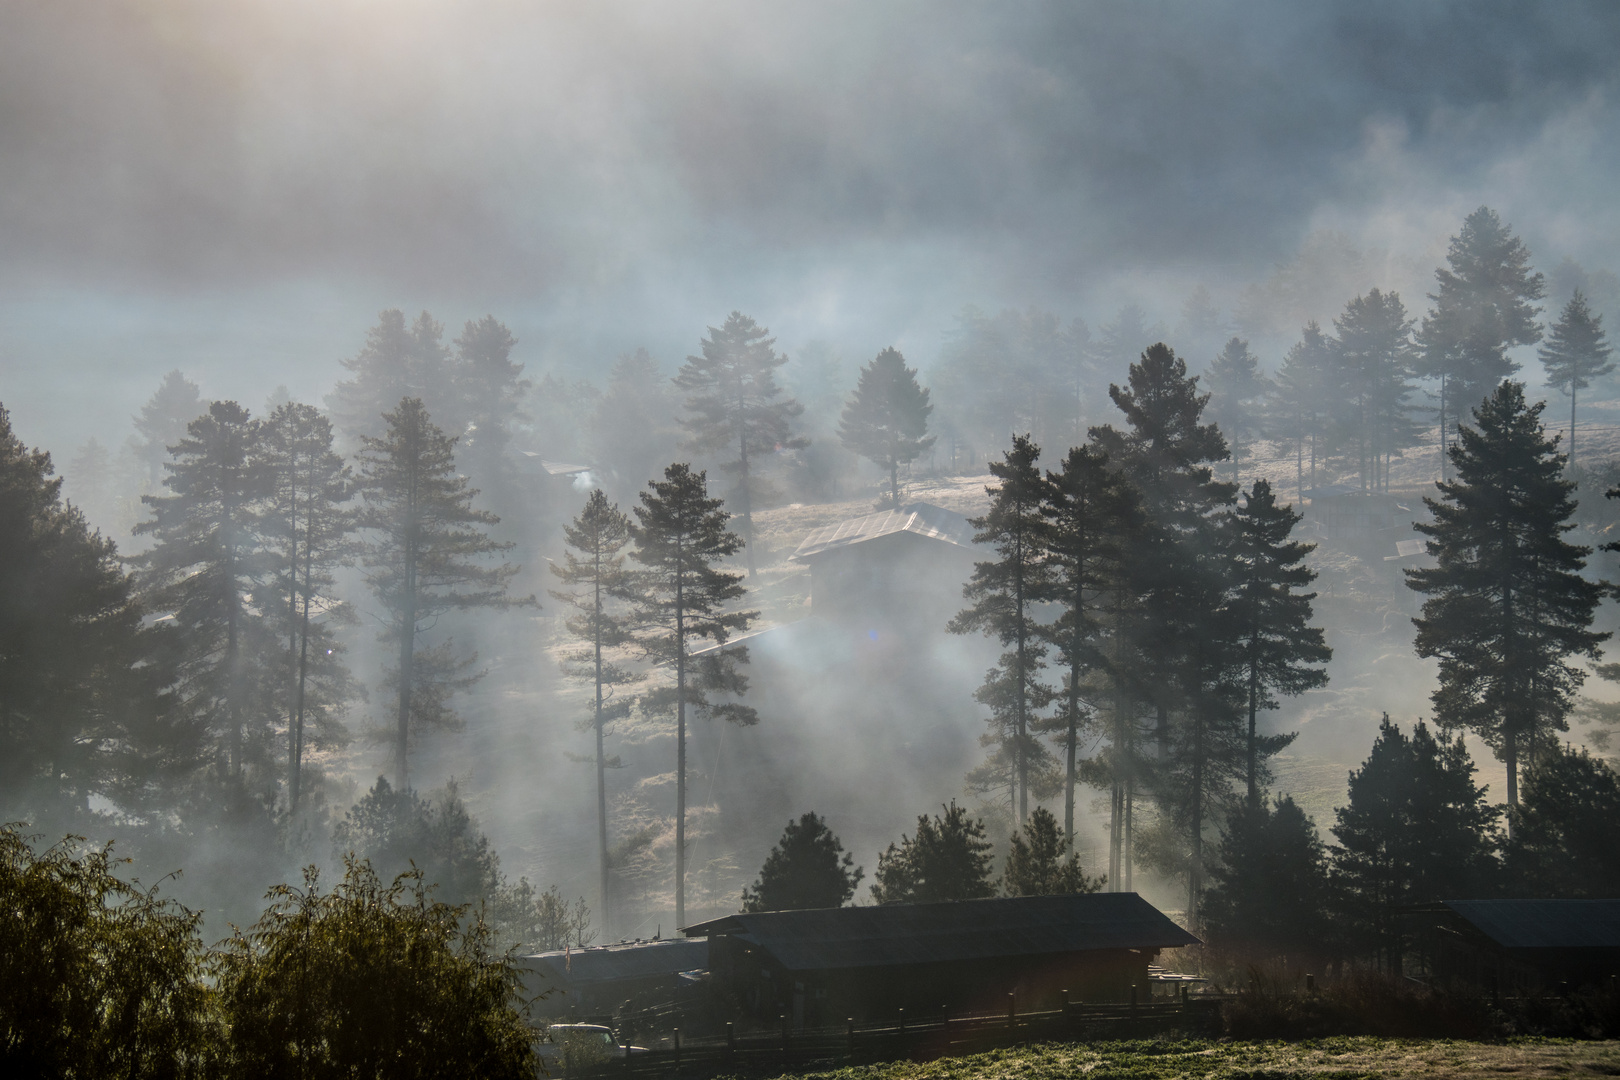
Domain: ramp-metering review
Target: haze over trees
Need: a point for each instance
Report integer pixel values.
(1575, 352)
(886, 419)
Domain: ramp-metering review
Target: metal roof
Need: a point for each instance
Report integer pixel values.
(923, 519)
(1544, 924)
(899, 934)
(625, 960)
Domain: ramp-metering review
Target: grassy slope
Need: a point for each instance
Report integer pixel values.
(1338, 1058)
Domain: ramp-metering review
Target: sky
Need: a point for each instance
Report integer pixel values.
(237, 189)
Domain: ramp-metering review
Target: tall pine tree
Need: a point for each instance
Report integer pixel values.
(162, 422)
(399, 360)
(1238, 391)
(1507, 607)
(1576, 352)
(1303, 398)
(1373, 355)
(886, 419)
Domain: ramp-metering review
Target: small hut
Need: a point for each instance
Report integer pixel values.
(898, 565)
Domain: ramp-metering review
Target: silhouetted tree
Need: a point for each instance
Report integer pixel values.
(1417, 829)
(1004, 595)
(1485, 305)
(1037, 864)
(162, 422)
(600, 585)
(397, 361)
(424, 557)
(1562, 831)
(1270, 893)
(1277, 648)
(395, 829)
(1507, 606)
(1238, 390)
(949, 859)
(886, 420)
(733, 401)
(683, 596)
(1576, 352)
(488, 403)
(1303, 397)
(1373, 357)
(808, 868)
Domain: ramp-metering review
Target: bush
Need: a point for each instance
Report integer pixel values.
(1362, 1003)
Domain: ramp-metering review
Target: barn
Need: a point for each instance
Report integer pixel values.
(598, 980)
(820, 966)
(1517, 946)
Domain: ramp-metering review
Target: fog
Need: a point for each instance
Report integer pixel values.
(236, 190)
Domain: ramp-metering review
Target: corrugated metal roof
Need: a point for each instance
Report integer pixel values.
(899, 934)
(924, 519)
(1544, 924)
(629, 960)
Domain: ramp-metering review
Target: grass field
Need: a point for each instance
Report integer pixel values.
(1339, 1059)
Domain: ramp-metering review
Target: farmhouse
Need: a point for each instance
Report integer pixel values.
(1515, 946)
(865, 962)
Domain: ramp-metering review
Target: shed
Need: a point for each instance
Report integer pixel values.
(1519, 945)
(962, 955)
(598, 979)
(888, 564)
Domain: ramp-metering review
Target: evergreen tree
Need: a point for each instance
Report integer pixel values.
(1037, 865)
(1277, 649)
(423, 559)
(1485, 305)
(948, 859)
(1303, 397)
(1507, 606)
(1562, 832)
(886, 419)
(733, 401)
(683, 596)
(308, 529)
(1576, 352)
(1270, 893)
(395, 830)
(1373, 357)
(804, 870)
(1238, 390)
(633, 428)
(598, 583)
(206, 569)
(1416, 830)
(1004, 595)
(489, 391)
(397, 361)
(162, 423)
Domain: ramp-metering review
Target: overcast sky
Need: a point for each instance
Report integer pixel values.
(237, 188)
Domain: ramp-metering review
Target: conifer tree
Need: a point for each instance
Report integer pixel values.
(1562, 843)
(598, 585)
(734, 402)
(1004, 595)
(1270, 894)
(1507, 606)
(808, 868)
(948, 859)
(1277, 648)
(308, 527)
(398, 361)
(1416, 830)
(162, 422)
(207, 565)
(886, 420)
(424, 557)
(1238, 390)
(1576, 352)
(1373, 355)
(1037, 864)
(683, 596)
(1485, 305)
(1302, 400)
(634, 426)
(488, 402)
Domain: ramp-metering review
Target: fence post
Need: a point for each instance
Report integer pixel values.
(627, 1053)
(902, 1019)
(1012, 1009)
(783, 1017)
(1063, 1003)
(1133, 999)
(850, 1022)
(1310, 983)
(677, 1048)
(731, 1039)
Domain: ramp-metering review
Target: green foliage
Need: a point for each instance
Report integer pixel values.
(396, 829)
(528, 919)
(371, 980)
(948, 859)
(886, 419)
(1036, 865)
(1507, 606)
(1561, 835)
(804, 870)
(1269, 895)
(100, 977)
(1576, 352)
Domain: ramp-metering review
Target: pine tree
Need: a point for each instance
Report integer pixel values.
(1303, 398)
(1417, 829)
(1238, 390)
(1507, 606)
(1037, 864)
(1373, 354)
(397, 361)
(599, 583)
(162, 422)
(733, 401)
(1277, 649)
(1485, 306)
(1576, 352)
(886, 419)
(423, 559)
(205, 569)
(308, 528)
(684, 596)
(804, 870)
(1270, 893)
(489, 391)
(633, 428)
(948, 859)
(1004, 595)
(1562, 843)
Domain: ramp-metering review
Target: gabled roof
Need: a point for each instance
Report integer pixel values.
(1544, 924)
(923, 519)
(626, 960)
(896, 934)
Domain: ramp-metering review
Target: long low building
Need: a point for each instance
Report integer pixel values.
(1518, 946)
(599, 980)
(822, 965)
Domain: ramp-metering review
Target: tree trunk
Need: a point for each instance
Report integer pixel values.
(1019, 714)
(680, 743)
(1442, 425)
(297, 779)
(747, 507)
(601, 767)
(1254, 696)
(894, 482)
(1572, 424)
